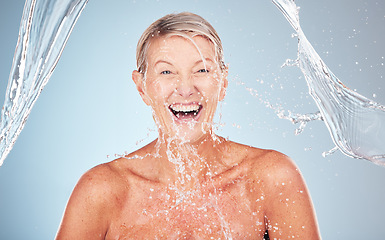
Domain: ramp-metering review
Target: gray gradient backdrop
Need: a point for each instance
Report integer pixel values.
(90, 109)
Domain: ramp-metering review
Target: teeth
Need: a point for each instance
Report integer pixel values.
(184, 108)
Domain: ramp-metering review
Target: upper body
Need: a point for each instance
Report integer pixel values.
(188, 183)
(251, 191)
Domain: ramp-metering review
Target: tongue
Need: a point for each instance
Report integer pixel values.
(185, 115)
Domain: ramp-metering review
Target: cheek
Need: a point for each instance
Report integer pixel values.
(159, 91)
(210, 88)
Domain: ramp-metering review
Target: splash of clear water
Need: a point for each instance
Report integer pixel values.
(44, 31)
(355, 123)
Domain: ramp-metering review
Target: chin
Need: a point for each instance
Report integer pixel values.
(183, 129)
(187, 135)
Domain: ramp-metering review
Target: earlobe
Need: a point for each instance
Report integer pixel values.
(138, 79)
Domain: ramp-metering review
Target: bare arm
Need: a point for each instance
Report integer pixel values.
(289, 210)
(86, 213)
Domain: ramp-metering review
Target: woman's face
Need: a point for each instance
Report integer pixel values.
(183, 86)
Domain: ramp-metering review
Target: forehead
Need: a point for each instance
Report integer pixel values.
(188, 46)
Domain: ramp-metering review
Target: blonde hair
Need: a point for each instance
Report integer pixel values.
(175, 24)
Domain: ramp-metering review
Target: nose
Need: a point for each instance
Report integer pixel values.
(185, 87)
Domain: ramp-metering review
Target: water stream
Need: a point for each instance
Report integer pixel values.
(44, 30)
(356, 124)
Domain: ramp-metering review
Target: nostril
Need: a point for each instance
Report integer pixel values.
(186, 94)
(185, 91)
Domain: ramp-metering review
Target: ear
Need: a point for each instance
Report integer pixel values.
(222, 93)
(139, 82)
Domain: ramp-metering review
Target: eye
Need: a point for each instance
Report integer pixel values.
(203, 70)
(166, 72)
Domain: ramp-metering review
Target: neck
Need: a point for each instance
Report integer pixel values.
(186, 163)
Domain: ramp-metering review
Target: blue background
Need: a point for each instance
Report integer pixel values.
(90, 110)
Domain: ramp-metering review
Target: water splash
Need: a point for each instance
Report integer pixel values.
(355, 123)
(44, 31)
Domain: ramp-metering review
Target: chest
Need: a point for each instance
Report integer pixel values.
(230, 213)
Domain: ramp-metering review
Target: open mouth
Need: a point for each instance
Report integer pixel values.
(186, 111)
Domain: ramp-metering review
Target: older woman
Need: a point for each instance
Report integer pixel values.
(188, 183)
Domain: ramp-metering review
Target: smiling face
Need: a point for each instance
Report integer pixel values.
(183, 84)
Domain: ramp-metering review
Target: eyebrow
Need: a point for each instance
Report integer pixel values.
(201, 61)
(162, 61)
(196, 63)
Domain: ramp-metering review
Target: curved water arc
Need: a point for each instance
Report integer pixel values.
(355, 123)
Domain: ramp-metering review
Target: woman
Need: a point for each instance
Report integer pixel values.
(188, 183)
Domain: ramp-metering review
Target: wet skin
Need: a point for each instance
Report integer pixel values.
(182, 73)
(253, 190)
(189, 183)
(226, 203)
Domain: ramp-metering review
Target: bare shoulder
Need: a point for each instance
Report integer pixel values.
(87, 215)
(276, 165)
(271, 167)
(269, 164)
(264, 161)
(286, 197)
(98, 187)
(98, 180)
(281, 174)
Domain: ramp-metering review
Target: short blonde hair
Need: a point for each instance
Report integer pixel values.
(174, 24)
